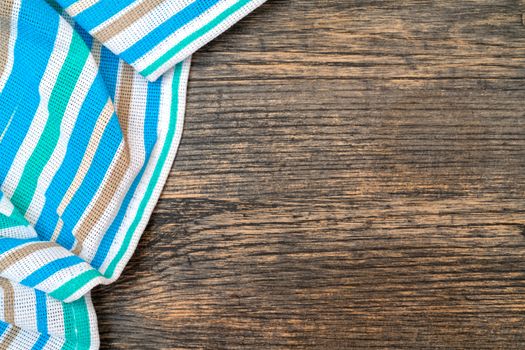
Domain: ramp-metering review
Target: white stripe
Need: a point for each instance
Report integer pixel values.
(22, 232)
(55, 311)
(6, 207)
(25, 315)
(55, 343)
(144, 25)
(93, 324)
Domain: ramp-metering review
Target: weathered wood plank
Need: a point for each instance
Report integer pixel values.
(352, 174)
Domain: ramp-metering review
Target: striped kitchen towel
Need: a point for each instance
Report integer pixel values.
(92, 96)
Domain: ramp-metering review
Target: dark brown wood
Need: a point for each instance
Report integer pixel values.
(352, 175)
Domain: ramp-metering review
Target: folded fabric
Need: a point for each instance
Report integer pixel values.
(92, 96)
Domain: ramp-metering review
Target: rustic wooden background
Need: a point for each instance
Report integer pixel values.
(352, 174)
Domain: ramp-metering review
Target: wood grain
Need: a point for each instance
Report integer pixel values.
(352, 175)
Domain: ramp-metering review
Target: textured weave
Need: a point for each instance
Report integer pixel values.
(92, 96)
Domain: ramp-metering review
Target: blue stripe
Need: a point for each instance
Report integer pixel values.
(66, 3)
(88, 39)
(41, 342)
(150, 138)
(3, 327)
(110, 62)
(41, 311)
(7, 243)
(109, 143)
(28, 69)
(21, 80)
(152, 39)
(49, 269)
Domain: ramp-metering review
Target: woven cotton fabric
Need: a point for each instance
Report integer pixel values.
(92, 96)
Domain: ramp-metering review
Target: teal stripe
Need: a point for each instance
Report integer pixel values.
(76, 325)
(194, 36)
(70, 287)
(59, 99)
(82, 324)
(14, 220)
(69, 326)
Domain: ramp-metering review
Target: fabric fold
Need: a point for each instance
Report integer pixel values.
(92, 99)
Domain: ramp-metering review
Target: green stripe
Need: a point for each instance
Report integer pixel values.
(68, 345)
(69, 326)
(194, 36)
(156, 173)
(69, 73)
(70, 287)
(82, 325)
(14, 220)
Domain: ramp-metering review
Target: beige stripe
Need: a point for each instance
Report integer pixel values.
(125, 91)
(119, 169)
(16, 255)
(94, 141)
(6, 8)
(58, 229)
(126, 20)
(96, 50)
(80, 6)
(9, 337)
(9, 300)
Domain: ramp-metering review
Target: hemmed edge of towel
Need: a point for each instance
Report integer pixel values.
(115, 266)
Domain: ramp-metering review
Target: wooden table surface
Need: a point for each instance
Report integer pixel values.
(352, 174)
